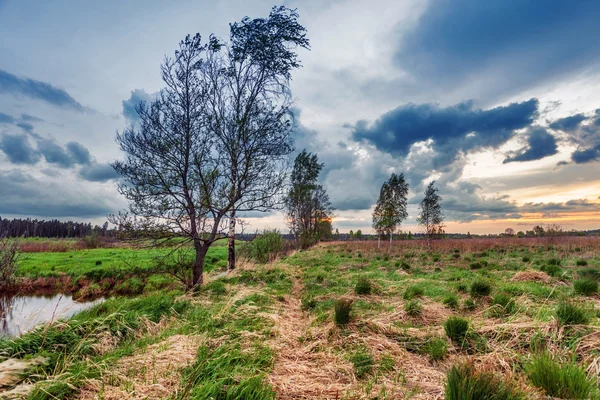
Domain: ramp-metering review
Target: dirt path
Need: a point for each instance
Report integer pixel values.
(302, 371)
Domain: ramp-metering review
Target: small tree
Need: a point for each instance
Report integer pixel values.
(509, 232)
(9, 254)
(359, 234)
(431, 217)
(308, 208)
(390, 209)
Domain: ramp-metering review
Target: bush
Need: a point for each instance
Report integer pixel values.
(503, 304)
(586, 287)
(570, 314)
(265, 247)
(363, 286)
(480, 288)
(412, 291)
(451, 301)
(476, 265)
(93, 241)
(342, 311)
(456, 328)
(413, 308)
(552, 270)
(464, 382)
(566, 381)
(581, 263)
(436, 348)
(363, 363)
(9, 255)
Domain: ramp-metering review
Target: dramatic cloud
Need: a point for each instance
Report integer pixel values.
(129, 105)
(540, 144)
(97, 172)
(584, 132)
(452, 129)
(38, 90)
(54, 153)
(528, 41)
(6, 119)
(79, 152)
(18, 150)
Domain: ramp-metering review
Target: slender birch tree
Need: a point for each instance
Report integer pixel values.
(431, 217)
(390, 209)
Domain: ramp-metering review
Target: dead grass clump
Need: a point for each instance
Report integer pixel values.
(531, 276)
(153, 373)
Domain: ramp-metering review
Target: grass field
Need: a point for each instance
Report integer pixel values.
(472, 319)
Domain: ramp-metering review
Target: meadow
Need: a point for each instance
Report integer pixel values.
(470, 319)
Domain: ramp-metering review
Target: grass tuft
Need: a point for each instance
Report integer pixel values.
(586, 287)
(464, 382)
(363, 286)
(343, 307)
(413, 308)
(564, 381)
(570, 314)
(456, 328)
(480, 288)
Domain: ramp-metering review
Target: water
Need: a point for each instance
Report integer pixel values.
(19, 314)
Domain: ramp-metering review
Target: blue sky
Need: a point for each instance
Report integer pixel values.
(496, 101)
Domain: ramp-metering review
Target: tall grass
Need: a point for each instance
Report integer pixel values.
(464, 382)
(564, 381)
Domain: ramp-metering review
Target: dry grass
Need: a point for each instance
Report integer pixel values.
(152, 373)
(531, 276)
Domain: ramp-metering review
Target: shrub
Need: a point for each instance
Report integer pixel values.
(342, 311)
(266, 246)
(93, 241)
(363, 286)
(413, 308)
(586, 287)
(412, 291)
(581, 263)
(503, 304)
(451, 301)
(464, 382)
(363, 362)
(480, 288)
(9, 255)
(456, 328)
(552, 270)
(566, 381)
(570, 314)
(476, 265)
(469, 305)
(436, 348)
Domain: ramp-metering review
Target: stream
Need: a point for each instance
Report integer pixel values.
(22, 313)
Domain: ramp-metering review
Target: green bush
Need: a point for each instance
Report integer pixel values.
(564, 381)
(343, 307)
(413, 291)
(266, 246)
(363, 286)
(413, 308)
(570, 314)
(464, 382)
(503, 304)
(456, 328)
(451, 301)
(586, 287)
(552, 270)
(436, 348)
(480, 288)
(363, 362)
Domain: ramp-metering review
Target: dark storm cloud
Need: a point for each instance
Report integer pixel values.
(54, 153)
(129, 106)
(540, 144)
(38, 90)
(22, 194)
(6, 119)
(79, 153)
(452, 129)
(18, 150)
(518, 43)
(584, 132)
(98, 172)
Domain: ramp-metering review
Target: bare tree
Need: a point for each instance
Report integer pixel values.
(215, 141)
(390, 209)
(9, 254)
(431, 217)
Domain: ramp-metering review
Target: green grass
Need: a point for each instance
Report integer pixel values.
(456, 328)
(571, 314)
(464, 382)
(585, 287)
(564, 381)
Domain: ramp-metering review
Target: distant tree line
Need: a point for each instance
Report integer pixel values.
(18, 227)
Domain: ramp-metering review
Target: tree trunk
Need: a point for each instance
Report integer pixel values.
(201, 250)
(391, 236)
(231, 239)
(379, 241)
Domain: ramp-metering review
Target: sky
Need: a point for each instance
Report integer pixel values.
(496, 101)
